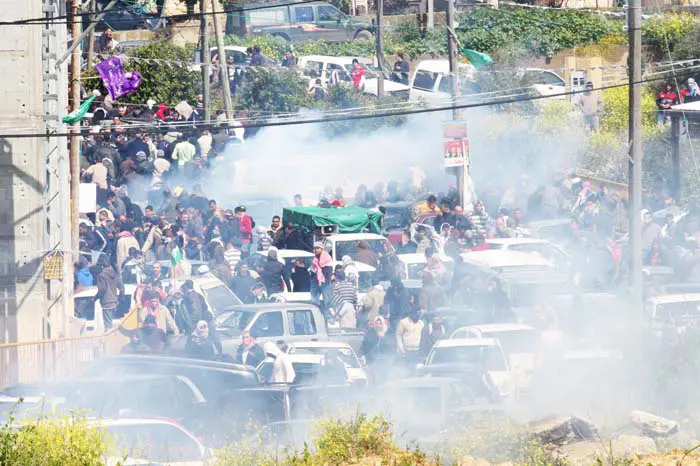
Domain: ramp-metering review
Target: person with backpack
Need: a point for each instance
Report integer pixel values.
(317, 91)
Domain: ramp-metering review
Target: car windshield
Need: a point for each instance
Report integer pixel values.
(345, 354)
(157, 442)
(220, 298)
(424, 80)
(415, 271)
(236, 320)
(516, 341)
(487, 357)
(362, 65)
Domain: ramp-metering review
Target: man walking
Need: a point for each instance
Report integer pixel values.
(591, 104)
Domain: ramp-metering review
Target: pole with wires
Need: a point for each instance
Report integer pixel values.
(205, 60)
(380, 47)
(228, 103)
(635, 153)
(91, 37)
(75, 131)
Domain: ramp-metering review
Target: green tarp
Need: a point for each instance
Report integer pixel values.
(350, 219)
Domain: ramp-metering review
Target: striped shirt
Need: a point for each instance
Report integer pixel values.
(343, 292)
(233, 257)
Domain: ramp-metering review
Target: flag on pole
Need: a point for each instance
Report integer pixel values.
(76, 115)
(116, 81)
(477, 59)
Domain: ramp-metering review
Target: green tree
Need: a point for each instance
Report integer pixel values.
(272, 91)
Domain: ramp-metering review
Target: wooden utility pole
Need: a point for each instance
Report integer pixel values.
(205, 60)
(91, 38)
(431, 14)
(452, 54)
(75, 132)
(635, 152)
(380, 47)
(228, 103)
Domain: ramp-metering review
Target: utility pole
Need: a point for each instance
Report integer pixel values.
(380, 47)
(635, 152)
(452, 54)
(228, 103)
(206, 60)
(75, 132)
(431, 14)
(91, 37)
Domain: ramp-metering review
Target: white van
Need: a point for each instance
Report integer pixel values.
(432, 81)
(324, 65)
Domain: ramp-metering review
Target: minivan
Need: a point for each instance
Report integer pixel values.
(295, 22)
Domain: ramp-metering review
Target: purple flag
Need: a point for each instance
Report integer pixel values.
(117, 82)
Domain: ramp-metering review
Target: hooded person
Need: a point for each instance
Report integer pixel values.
(148, 338)
(282, 369)
(408, 337)
(272, 273)
(374, 299)
(199, 344)
(352, 273)
(366, 255)
(692, 93)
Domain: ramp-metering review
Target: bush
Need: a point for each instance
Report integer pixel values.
(668, 29)
(544, 32)
(266, 91)
(615, 116)
(52, 442)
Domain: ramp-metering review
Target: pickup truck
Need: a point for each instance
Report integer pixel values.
(281, 323)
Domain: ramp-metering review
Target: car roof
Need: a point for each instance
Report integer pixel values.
(495, 328)
(343, 59)
(178, 361)
(439, 66)
(285, 253)
(355, 237)
(675, 298)
(504, 258)
(318, 344)
(511, 241)
(458, 342)
(415, 258)
(361, 266)
(268, 306)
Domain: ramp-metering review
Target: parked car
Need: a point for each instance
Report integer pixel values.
(238, 52)
(413, 264)
(355, 372)
(479, 362)
(211, 377)
(432, 81)
(294, 22)
(557, 256)
(125, 16)
(323, 66)
(147, 441)
(347, 244)
(281, 323)
(88, 309)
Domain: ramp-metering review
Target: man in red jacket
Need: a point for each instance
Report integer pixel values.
(665, 100)
(246, 226)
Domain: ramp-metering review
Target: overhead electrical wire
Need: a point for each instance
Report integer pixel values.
(164, 128)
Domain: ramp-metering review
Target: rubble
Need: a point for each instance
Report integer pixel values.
(588, 452)
(652, 425)
(562, 431)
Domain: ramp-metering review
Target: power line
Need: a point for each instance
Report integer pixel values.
(354, 117)
(52, 20)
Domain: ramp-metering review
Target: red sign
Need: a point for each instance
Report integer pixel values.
(455, 152)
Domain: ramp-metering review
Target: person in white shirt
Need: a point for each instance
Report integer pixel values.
(282, 369)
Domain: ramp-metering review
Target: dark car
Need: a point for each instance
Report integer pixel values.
(127, 16)
(211, 377)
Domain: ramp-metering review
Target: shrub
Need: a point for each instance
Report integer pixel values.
(668, 29)
(68, 441)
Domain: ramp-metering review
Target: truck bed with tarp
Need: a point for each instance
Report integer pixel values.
(349, 219)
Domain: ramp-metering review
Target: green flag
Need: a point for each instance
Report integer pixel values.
(78, 114)
(477, 59)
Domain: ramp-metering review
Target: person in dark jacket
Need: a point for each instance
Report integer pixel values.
(397, 302)
(495, 303)
(146, 339)
(366, 255)
(199, 344)
(272, 273)
(290, 238)
(243, 283)
(431, 296)
(432, 332)
(406, 245)
(109, 289)
(249, 353)
(301, 280)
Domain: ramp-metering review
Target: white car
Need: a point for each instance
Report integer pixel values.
(549, 251)
(353, 367)
(149, 441)
(347, 244)
(88, 309)
(325, 65)
(432, 82)
(307, 367)
(520, 343)
(476, 357)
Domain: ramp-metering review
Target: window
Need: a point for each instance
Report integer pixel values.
(301, 322)
(304, 14)
(239, 57)
(445, 84)
(342, 73)
(425, 80)
(267, 17)
(543, 77)
(220, 298)
(313, 66)
(237, 320)
(346, 355)
(328, 13)
(486, 357)
(268, 325)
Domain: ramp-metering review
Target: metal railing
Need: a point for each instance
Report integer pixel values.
(49, 360)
